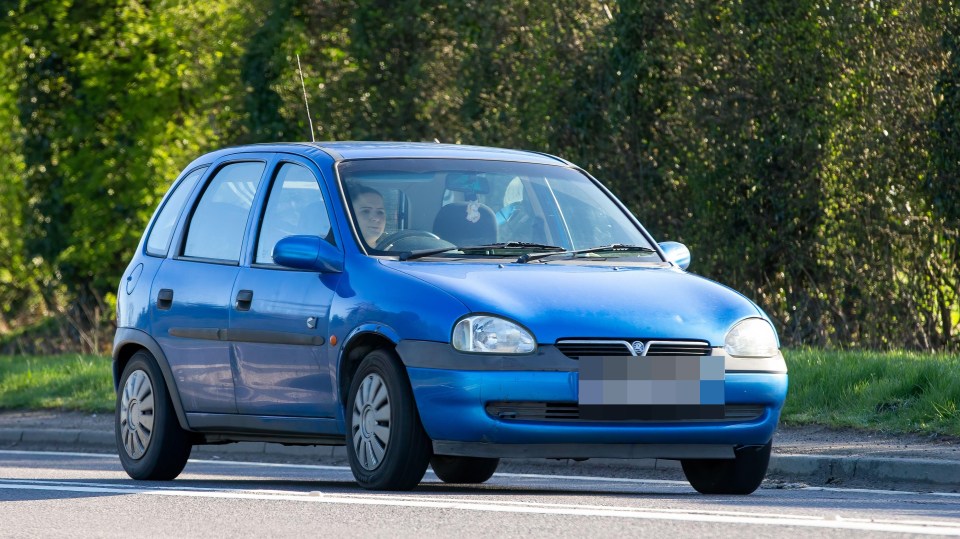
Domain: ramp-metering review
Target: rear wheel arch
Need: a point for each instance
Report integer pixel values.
(120, 359)
(130, 341)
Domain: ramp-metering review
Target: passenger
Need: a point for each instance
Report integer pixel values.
(371, 214)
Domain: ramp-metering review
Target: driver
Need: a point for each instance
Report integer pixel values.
(370, 212)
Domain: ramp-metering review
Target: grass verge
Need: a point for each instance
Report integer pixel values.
(65, 382)
(882, 391)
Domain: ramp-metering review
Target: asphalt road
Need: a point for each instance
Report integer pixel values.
(49, 494)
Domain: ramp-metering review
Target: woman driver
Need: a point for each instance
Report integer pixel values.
(370, 212)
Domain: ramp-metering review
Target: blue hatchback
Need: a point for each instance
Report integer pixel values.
(431, 304)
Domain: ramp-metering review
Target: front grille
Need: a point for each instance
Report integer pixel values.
(661, 348)
(570, 411)
(577, 348)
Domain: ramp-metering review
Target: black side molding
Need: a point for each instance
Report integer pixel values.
(248, 335)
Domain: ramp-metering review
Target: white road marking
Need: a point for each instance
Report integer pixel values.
(412, 497)
(498, 507)
(888, 492)
(58, 453)
(551, 477)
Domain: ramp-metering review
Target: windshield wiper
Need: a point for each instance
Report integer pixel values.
(514, 245)
(412, 255)
(615, 247)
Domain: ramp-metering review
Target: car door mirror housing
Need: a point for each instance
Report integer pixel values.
(677, 253)
(308, 253)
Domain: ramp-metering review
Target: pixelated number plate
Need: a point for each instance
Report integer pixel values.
(651, 388)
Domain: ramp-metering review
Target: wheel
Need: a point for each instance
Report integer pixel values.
(386, 444)
(463, 469)
(150, 441)
(741, 475)
(410, 240)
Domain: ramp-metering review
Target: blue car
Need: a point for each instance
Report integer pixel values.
(431, 304)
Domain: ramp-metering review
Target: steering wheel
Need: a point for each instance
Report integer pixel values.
(388, 242)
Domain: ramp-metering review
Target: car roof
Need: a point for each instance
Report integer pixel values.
(370, 150)
(349, 150)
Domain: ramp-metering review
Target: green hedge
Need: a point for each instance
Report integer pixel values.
(808, 152)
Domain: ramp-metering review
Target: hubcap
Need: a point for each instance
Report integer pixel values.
(136, 414)
(371, 421)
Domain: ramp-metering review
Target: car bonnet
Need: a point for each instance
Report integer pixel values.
(558, 301)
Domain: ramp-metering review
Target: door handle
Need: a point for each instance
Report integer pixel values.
(165, 299)
(244, 299)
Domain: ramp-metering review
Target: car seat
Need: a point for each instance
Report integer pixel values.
(460, 226)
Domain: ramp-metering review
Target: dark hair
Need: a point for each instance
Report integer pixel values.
(359, 189)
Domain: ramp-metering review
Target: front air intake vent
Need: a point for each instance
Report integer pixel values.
(570, 412)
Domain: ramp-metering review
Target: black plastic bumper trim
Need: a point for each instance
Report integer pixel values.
(651, 412)
(438, 355)
(583, 451)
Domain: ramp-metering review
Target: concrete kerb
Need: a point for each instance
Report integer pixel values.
(911, 473)
(893, 471)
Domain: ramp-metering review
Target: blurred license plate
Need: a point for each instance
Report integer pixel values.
(651, 387)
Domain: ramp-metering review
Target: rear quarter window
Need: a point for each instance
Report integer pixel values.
(158, 242)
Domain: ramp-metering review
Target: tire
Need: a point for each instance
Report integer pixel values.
(741, 475)
(473, 470)
(386, 444)
(150, 442)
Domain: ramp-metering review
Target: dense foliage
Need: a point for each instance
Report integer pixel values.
(808, 152)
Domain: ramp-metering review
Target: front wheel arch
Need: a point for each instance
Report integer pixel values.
(356, 347)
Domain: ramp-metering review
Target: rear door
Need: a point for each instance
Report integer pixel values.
(278, 316)
(191, 294)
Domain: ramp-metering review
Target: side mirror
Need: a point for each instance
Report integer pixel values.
(308, 253)
(676, 253)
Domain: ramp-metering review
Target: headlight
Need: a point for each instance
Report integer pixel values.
(753, 337)
(491, 335)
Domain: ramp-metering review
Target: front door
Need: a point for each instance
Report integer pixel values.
(278, 316)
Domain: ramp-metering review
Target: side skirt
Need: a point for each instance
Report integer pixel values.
(226, 428)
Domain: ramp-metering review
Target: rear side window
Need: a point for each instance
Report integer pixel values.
(217, 225)
(295, 207)
(159, 240)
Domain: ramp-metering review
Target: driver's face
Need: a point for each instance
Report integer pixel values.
(371, 216)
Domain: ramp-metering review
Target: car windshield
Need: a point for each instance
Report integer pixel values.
(473, 208)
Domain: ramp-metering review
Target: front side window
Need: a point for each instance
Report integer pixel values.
(159, 240)
(219, 220)
(295, 208)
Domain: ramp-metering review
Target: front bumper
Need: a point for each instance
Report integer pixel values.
(453, 405)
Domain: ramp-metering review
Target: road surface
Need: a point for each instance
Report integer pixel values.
(58, 494)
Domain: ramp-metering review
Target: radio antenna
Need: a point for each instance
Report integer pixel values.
(305, 102)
